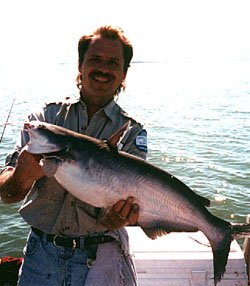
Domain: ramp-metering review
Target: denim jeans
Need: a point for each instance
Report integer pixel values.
(46, 264)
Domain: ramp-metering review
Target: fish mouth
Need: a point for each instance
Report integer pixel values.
(36, 146)
(101, 77)
(58, 155)
(31, 129)
(28, 126)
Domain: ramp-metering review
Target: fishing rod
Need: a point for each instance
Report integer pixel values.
(6, 122)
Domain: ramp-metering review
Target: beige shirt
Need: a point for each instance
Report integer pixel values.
(48, 206)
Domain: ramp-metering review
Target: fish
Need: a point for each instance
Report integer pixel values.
(95, 172)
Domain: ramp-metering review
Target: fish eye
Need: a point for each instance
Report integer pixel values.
(41, 126)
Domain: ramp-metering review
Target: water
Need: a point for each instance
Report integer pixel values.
(197, 115)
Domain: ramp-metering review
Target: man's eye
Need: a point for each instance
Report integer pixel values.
(114, 63)
(95, 60)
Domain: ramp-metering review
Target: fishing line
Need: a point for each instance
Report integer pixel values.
(6, 122)
(199, 242)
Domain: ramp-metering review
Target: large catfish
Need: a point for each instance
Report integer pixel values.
(95, 172)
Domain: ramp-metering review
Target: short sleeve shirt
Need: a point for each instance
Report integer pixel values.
(48, 206)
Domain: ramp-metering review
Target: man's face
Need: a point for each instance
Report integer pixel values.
(102, 70)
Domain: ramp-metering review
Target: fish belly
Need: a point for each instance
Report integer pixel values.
(102, 188)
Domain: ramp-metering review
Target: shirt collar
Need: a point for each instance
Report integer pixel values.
(108, 108)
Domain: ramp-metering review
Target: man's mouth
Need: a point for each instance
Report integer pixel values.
(101, 77)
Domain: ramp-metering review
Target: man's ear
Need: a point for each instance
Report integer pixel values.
(124, 75)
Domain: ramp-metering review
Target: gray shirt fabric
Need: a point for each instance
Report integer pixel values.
(48, 206)
(52, 209)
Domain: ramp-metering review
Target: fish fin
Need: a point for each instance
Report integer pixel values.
(221, 247)
(49, 167)
(206, 202)
(117, 136)
(153, 233)
(220, 254)
(159, 230)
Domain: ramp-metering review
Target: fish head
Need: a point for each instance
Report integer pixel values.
(42, 139)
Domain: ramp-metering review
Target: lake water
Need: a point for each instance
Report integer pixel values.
(197, 114)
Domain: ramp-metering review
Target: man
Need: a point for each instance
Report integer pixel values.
(67, 235)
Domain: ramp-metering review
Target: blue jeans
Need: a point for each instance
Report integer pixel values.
(48, 265)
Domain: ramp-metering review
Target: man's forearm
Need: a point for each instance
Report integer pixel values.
(15, 183)
(12, 188)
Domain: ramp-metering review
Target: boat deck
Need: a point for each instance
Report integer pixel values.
(182, 259)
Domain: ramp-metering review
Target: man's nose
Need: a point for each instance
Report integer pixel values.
(106, 66)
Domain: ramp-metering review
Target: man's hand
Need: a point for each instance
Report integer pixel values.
(28, 167)
(123, 213)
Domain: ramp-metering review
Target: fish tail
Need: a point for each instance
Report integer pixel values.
(220, 252)
(221, 247)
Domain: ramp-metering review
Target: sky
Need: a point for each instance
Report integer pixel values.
(37, 31)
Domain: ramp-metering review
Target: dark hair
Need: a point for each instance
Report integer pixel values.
(107, 32)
